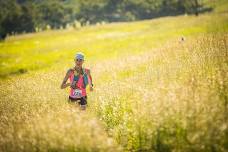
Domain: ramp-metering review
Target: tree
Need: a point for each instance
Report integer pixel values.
(17, 16)
(91, 10)
(192, 6)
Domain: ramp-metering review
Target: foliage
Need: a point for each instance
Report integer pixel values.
(18, 16)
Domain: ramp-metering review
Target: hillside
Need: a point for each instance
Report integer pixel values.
(160, 85)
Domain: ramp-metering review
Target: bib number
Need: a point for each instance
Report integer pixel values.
(77, 93)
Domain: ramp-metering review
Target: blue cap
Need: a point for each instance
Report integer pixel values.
(79, 56)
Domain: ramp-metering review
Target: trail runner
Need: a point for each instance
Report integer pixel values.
(79, 77)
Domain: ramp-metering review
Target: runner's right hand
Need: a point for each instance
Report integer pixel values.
(73, 85)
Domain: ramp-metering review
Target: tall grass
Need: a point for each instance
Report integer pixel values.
(174, 100)
(35, 119)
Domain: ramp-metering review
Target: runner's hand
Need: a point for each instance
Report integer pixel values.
(67, 84)
(91, 88)
(73, 85)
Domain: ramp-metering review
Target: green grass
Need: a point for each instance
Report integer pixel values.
(152, 92)
(36, 51)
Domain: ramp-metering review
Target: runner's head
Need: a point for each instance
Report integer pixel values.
(79, 59)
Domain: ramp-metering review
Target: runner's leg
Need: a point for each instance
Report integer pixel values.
(73, 101)
(83, 102)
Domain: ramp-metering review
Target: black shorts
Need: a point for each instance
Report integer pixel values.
(82, 100)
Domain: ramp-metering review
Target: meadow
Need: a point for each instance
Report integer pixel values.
(152, 91)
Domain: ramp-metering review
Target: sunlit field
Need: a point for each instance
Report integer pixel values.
(159, 85)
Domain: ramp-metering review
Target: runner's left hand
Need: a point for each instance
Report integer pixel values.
(91, 88)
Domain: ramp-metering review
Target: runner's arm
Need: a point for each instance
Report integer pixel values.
(64, 83)
(90, 81)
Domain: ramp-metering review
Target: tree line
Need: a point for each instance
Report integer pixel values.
(19, 16)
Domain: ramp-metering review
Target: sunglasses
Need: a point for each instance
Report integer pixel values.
(80, 60)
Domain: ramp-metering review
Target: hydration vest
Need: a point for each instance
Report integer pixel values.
(85, 77)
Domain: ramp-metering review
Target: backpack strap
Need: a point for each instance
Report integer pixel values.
(89, 78)
(85, 77)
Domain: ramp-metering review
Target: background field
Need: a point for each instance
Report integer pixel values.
(153, 92)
